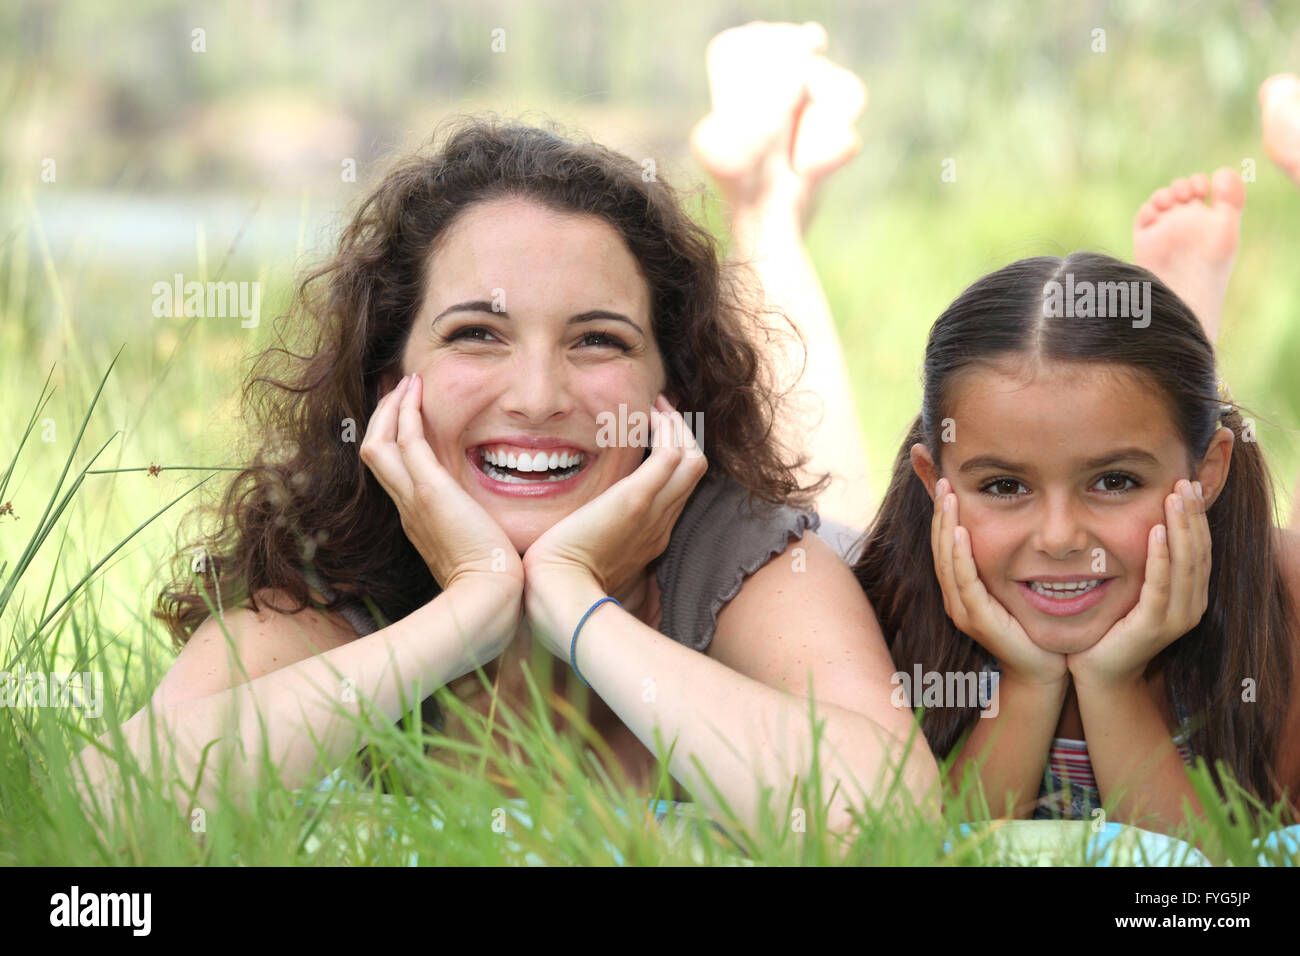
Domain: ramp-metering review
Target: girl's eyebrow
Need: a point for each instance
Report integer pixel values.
(1136, 455)
(591, 315)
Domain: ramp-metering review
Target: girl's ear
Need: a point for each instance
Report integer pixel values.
(1213, 470)
(924, 467)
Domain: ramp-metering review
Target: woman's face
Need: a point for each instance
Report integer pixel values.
(533, 324)
(1060, 481)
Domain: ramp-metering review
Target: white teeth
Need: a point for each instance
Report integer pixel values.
(495, 463)
(1063, 590)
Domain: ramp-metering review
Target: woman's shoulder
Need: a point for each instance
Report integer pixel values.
(723, 535)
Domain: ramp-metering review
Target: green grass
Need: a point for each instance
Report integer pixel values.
(1055, 152)
(567, 810)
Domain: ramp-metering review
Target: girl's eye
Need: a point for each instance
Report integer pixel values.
(603, 338)
(1118, 477)
(1002, 488)
(1113, 483)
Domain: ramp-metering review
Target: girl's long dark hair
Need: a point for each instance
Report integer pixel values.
(1246, 632)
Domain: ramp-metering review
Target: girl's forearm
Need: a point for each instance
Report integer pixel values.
(302, 711)
(1010, 750)
(1135, 761)
(769, 238)
(742, 732)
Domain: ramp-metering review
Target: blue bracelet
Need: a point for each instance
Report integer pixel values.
(573, 647)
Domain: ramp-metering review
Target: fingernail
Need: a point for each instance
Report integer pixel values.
(1200, 492)
(1178, 503)
(946, 501)
(1160, 533)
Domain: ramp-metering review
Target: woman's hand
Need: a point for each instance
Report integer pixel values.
(455, 536)
(783, 115)
(976, 612)
(611, 539)
(1175, 594)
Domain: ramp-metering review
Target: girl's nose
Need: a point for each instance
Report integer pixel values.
(1062, 531)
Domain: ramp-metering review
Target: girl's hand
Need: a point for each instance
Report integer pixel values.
(452, 532)
(783, 115)
(976, 612)
(611, 539)
(1175, 594)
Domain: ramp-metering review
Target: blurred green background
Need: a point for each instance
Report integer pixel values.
(229, 163)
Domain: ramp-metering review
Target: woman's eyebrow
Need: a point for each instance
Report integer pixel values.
(591, 315)
(1139, 455)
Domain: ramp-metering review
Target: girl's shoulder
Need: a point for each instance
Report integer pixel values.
(1289, 771)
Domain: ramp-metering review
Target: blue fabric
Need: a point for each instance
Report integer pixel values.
(1115, 844)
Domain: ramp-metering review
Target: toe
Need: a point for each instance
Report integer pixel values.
(1162, 199)
(1227, 187)
(1279, 85)
(1182, 189)
(1146, 216)
(815, 36)
(1200, 185)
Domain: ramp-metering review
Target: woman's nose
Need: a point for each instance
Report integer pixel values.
(538, 388)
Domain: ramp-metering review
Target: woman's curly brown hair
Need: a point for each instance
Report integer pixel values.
(307, 498)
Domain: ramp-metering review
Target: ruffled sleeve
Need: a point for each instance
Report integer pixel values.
(721, 538)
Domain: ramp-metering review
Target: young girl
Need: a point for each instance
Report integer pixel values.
(1102, 529)
(1075, 383)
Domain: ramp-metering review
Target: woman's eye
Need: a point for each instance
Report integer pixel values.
(603, 338)
(1113, 482)
(474, 333)
(1002, 488)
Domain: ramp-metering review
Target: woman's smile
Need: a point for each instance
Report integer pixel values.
(523, 467)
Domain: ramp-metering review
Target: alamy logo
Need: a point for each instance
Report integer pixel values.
(102, 909)
(54, 689)
(934, 689)
(209, 300)
(1102, 300)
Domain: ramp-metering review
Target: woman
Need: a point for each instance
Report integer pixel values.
(506, 293)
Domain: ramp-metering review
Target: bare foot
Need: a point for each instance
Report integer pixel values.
(783, 115)
(1191, 246)
(1279, 97)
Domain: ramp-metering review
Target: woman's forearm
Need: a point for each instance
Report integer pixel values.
(1010, 750)
(1135, 761)
(302, 710)
(739, 730)
(769, 238)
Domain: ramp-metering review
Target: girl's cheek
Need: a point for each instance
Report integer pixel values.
(1129, 542)
(990, 538)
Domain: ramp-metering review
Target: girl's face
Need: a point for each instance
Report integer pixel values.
(1059, 481)
(533, 323)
